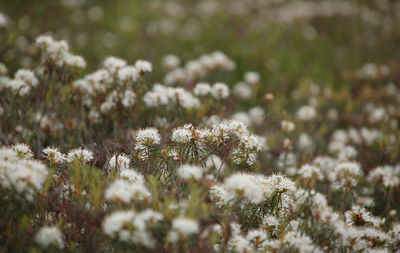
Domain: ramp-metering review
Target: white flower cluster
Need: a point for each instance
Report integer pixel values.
(188, 171)
(144, 139)
(182, 227)
(23, 82)
(119, 162)
(50, 235)
(306, 113)
(161, 96)
(359, 231)
(245, 144)
(20, 172)
(113, 83)
(359, 216)
(129, 187)
(219, 90)
(54, 155)
(256, 116)
(341, 138)
(388, 176)
(57, 52)
(253, 188)
(129, 226)
(199, 68)
(80, 154)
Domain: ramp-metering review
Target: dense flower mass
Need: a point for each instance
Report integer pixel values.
(200, 126)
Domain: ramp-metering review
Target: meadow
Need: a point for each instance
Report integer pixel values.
(200, 126)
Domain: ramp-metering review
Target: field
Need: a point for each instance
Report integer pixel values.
(200, 126)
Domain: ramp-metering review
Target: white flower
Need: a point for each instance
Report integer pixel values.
(287, 126)
(129, 98)
(242, 90)
(119, 162)
(114, 64)
(304, 141)
(132, 175)
(347, 153)
(309, 171)
(143, 66)
(239, 244)
(257, 115)
(116, 224)
(220, 91)
(345, 174)
(148, 136)
(245, 185)
(359, 216)
(27, 76)
(182, 135)
(50, 236)
(20, 172)
(82, 155)
(384, 175)
(252, 78)
(128, 73)
(202, 89)
(183, 227)
(76, 61)
(126, 191)
(306, 113)
(187, 171)
(171, 62)
(54, 155)
(23, 150)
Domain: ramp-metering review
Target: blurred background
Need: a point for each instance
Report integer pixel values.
(285, 41)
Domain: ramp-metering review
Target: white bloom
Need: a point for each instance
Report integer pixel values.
(54, 155)
(115, 224)
(384, 175)
(148, 136)
(306, 113)
(128, 74)
(27, 76)
(252, 78)
(129, 98)
(309, 171)
(242, 117)
(242, 90)
(23, 150)
(187, 171)
(183, 227)
(20, 172)
(220, 91)
(171, 62)
(126, 191)
(257, 115)
(82, 155)
(50, 236)
(132, 175)
(305, 141)
(114, 64)
(76, 61)
(347, 153)
(220, 196)
(245, 185)
(202, 89)
(182, 135)
(119, 162)
(143, 66)
(287, 126)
